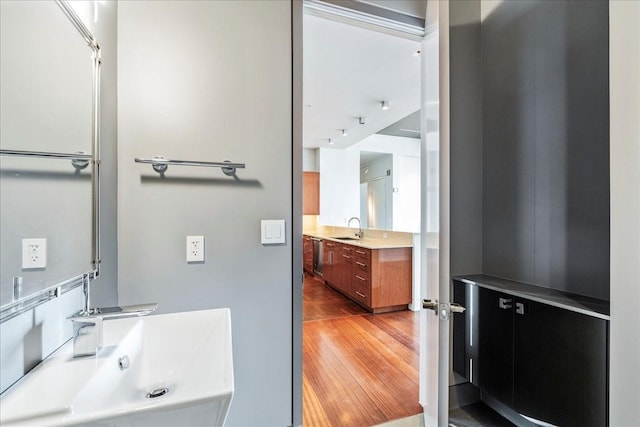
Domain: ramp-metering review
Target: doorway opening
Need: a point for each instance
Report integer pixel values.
(359, 368)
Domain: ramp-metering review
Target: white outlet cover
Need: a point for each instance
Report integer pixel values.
(195, 248)
(34, 253)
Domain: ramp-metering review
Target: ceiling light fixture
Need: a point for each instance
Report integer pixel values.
(344, 132)
(330, 141)
(385, 105)
(361, 120)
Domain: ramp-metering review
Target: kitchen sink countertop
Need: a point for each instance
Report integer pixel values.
(365, 242)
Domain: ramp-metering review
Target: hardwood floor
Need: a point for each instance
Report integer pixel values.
(359, 369)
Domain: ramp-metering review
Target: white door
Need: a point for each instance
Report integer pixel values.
(377, 204)
(435, 277)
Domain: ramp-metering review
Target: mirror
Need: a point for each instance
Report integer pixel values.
(49, 64)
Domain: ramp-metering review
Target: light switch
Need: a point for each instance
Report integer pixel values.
(272, 231)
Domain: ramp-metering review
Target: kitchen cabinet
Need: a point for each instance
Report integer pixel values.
(311, 193)
(545, 362)
(377, 279)
(329, 255)
(307, 254)
(343, 264)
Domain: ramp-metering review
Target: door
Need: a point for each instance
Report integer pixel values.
(495, 340)
(434, 277)
(377, 203)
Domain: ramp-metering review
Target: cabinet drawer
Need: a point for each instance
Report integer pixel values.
(362, 267)
(361, 290)
(362, 282)
(362, 253)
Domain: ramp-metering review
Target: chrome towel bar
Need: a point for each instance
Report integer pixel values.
(160, 164)
(79, 160)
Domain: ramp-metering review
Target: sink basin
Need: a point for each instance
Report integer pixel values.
(156, 370)
(346, 238)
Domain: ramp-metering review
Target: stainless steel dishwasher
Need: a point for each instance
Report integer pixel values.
(317, 256)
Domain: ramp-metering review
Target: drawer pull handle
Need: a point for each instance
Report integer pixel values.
(361, 252)
(346, 249)
(361, 264)
(347, 256)
(519, 308)
(361, 295)
(505, 303)
(361, 278)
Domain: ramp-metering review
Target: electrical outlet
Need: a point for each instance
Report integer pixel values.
(34, 253)
(195, 248)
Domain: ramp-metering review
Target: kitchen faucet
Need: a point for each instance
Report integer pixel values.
(359, 234)
(87, 323)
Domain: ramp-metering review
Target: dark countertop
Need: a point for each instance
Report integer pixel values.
(574, 302)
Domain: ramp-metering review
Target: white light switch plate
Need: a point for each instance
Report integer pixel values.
(272, 231)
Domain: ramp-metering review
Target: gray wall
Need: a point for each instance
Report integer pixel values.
(546, 144)
(32, 336)
(465, 137)
(212, 81)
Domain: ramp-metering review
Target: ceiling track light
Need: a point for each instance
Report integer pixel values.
(384, 105)
(330, 141)
(361, 120)
(344, 132)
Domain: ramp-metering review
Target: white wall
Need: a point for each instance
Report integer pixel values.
(211, 81)
(624, 44)
(310, 160)
(339, 185)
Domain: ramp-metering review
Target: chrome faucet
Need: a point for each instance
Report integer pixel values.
(87, 323)
(359, 234)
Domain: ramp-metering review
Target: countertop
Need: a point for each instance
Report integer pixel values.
(574, 302)
(368, 243)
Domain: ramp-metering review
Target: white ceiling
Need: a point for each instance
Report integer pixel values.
(348, 72)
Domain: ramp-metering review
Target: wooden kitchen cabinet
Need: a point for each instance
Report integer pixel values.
(311, 193)
(307, 254)
(329, 255)
(343, 264)
(377, 279)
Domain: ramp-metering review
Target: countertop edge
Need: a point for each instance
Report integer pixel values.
(538, 293)
(368, 244)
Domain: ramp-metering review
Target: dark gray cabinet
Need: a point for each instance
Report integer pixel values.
(544, 362)
(495, 344)
(560, 365)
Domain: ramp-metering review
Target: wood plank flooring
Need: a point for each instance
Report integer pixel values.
(359, 369)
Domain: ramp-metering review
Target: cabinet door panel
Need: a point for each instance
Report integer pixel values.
(560, 369)
(495, 344)
(311, 193)
(329, 257)
(307, 254)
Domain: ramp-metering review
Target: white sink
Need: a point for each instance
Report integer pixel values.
(189, 354)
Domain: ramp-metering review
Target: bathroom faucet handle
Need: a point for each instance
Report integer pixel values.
(87, 334)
